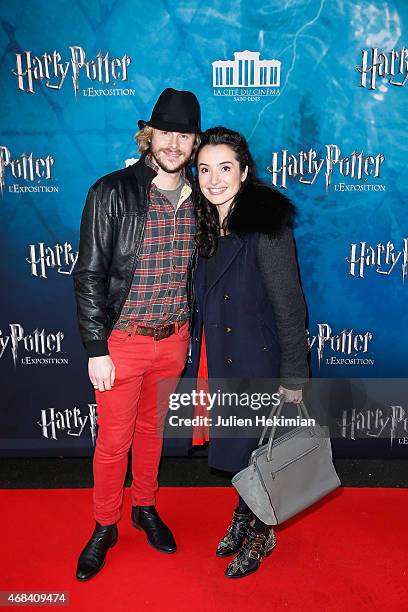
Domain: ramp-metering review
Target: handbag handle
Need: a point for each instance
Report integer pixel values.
(301, 406)
(276, 410)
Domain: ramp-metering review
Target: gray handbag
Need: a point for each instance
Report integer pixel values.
(288, 474)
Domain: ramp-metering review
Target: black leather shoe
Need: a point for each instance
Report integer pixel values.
(92, 558)
(258, 545)
(235, 536)
(158, 534)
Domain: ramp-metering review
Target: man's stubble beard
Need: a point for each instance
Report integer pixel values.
(168, 169)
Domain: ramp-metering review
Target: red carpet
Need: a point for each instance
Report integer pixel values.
(349, 553)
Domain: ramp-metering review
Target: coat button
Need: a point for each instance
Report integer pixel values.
(229, 360)
(264, 348)
(228, 329)
(196, 339)
(196, 309)
(225, 297)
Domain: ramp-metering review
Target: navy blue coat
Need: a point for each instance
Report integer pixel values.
(237, 315)
(243, 322)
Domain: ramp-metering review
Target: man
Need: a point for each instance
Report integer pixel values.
(137, 237)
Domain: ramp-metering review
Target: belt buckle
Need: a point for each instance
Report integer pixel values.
(128, 329)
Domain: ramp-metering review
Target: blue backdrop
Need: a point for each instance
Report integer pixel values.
(76, 77)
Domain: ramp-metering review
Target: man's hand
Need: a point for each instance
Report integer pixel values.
(101, 372)
(291, 395)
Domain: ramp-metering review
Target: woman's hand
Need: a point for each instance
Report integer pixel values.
(291, 395)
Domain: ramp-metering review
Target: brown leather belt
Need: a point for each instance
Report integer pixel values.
(158, 333)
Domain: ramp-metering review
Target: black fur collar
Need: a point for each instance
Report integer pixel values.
(259, 208)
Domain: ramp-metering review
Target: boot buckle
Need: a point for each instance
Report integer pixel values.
(253, 554)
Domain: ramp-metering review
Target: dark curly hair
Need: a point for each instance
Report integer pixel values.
(208, 225)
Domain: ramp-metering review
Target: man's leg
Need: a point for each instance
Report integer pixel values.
(116, 409)
(169, 362)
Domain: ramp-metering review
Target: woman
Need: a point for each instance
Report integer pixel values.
(248, 308)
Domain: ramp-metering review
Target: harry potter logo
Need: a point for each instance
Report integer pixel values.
(38, 342)
(59, 256)
(376, 64)
(72, 422)
(25, 167)
(374, 423)
(50, 69)
(383, 258)
(306, 166)
(347, 342)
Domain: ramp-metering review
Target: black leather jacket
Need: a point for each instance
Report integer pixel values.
(111, 236)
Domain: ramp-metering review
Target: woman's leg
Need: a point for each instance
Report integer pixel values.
(259, 542)
(231, 543)
(242, 507)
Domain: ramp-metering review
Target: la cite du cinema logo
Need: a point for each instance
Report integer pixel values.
(246, 75)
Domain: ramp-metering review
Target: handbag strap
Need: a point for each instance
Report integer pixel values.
(275, 411)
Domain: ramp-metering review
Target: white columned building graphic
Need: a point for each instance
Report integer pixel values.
(246, 70)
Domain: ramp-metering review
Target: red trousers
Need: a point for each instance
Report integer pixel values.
(129, 415)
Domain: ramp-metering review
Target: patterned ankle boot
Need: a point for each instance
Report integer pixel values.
(236, 533)
(258, 545)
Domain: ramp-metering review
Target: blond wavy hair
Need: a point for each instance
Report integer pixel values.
(144, 139)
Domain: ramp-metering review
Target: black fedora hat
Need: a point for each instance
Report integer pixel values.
(175, 111)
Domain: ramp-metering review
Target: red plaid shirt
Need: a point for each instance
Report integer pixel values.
(158, 294)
